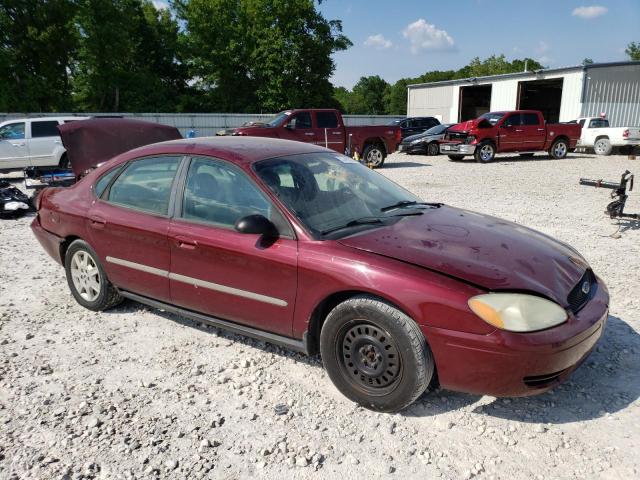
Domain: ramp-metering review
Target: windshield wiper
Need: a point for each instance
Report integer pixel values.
(353, 223)
(408, 203)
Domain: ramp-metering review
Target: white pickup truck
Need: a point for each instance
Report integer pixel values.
(597, 134)
(32, 142)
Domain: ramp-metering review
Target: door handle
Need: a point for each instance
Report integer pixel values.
(337, 133)
(519, 130)
(541, 129)
(97, 223)
(18, 144)
(309, 133)
(186, 243)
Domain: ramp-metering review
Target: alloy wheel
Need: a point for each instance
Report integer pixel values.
(486, 152)
(560, 150)
(374, 157)
(85, 275)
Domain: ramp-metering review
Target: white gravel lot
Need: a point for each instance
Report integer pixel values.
(137, 393)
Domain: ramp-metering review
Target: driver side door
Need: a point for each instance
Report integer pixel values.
(511, 133)
(299, 127)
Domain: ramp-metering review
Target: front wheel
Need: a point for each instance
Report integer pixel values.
(375, 354)
(559, 149)
(433, 149)
(373, 155)
(485, 152)
(86, 278)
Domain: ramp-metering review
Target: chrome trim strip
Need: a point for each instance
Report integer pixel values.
(138, 266)
(230, 290)
(198, 283)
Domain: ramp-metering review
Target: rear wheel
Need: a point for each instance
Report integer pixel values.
(559, 149)
(485, 152)
(375, 354)
(602, 146)
(373, 155)
(86, 278)
(455, 157)
(433, 149)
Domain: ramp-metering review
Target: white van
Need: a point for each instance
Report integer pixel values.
(32, 142)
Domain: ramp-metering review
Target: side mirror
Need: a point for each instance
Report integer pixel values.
(290, 126)
(256, 224)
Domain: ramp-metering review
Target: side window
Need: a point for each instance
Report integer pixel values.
(105, 180)
(12, 131)
(530, 119)
(598, 123)
(513, 120)
(219, 194)
(146, 184)
(326, 119)
(47, 128)
(301, 120)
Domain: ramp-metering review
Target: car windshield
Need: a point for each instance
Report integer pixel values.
(493, 117)
(437, 130)
(395, 122)
(278, 119)
(330, 192)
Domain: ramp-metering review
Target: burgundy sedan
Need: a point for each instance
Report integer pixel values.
(303, 247)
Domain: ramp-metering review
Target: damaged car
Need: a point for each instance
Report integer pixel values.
(303, 247)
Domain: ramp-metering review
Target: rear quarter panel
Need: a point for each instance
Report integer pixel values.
(361, 136)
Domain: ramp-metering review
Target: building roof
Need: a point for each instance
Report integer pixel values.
(530, 73)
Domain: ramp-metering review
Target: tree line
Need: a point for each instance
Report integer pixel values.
(199, 56)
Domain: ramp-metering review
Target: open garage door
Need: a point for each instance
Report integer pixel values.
(474, 101)
(543, 95)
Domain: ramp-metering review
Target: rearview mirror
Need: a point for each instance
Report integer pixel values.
(256, 224)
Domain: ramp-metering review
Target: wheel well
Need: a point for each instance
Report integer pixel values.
(65, 245)
(601, 137)
(561, 137)
(375, 141)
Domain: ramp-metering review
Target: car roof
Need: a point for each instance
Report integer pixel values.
(236, 149)
(26, 119)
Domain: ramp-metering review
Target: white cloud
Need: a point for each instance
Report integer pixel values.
(542, 51)
(425, 36)
(587, 13)
(378, 42)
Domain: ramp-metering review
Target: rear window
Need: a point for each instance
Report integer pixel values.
(326, 119)
(598, 123)
(530, 119)
(47, 128)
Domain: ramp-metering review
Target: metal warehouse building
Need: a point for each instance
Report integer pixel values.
(562, 94)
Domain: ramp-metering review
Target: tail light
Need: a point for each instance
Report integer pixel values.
(625, 133)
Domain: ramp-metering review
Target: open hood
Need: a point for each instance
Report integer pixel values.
(91, 142)
(486, 251)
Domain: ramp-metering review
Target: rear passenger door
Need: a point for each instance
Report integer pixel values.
(129, 222)
(43, 142)
(328, 131)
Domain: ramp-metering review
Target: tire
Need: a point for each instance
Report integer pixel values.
(559, 149)
(602, 146)
(455, 157)
(97, 296)
(394, 364)
(526, 155)
(64, 162)
(373, 155)
(433, 149)
(485, 152)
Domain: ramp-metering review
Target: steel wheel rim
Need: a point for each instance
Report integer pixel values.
(374, 157)
(560, 150)
(369, 358)
(85, 275)
(486, 152)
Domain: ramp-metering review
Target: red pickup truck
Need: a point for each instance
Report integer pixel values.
(326, 127)
(520, 131)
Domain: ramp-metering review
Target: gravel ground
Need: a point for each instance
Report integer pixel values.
(137, 393)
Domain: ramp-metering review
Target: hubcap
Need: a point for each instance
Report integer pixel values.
(486, 152)
(374, 157)
(560, 149)
(85, 275)
(433, 149)
(370, 357)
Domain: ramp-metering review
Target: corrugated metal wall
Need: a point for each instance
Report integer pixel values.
(614, 91)
(209, 123)
(431, 102)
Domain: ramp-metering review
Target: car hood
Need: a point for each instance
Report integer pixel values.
(419, 136)
(486, 251)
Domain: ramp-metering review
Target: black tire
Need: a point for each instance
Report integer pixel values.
(455, 158)
(526, 155)
(433, 149)
(559, 149)
(394, 364)
(64, 161)
(374, 155)
(107, 295)
(485, 152)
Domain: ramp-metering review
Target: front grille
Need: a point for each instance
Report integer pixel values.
(457, 136)
(577, 297)
(540, 381)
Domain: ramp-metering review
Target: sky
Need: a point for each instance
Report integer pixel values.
(396, 39)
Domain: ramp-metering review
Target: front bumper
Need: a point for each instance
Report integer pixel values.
(506, 364)
(410, 148)
(457, 149)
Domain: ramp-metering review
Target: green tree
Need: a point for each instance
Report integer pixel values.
(369, 95)
(37, 41)
(633, 51)
(260, 55)
(587, 61)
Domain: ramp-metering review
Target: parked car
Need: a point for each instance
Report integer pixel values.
(521, 131)
(414, 125)
(303, 247)
(597, 134)
(32, 142)
(326, 127)
(426, 143)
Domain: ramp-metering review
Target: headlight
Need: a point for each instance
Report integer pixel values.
(517, 312)
(415, 142)
(470, 139)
